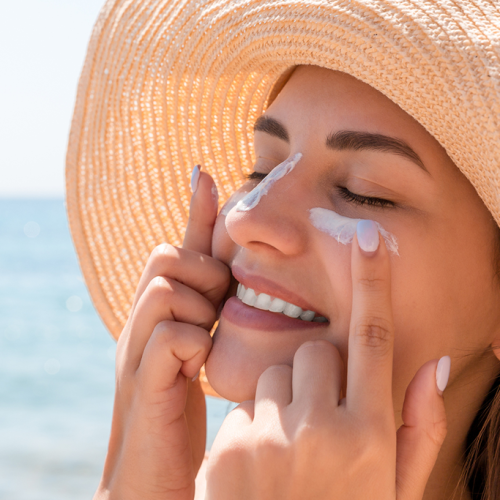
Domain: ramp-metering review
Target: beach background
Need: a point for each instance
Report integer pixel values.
(56, 357)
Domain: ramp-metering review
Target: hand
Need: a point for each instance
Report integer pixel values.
(299, 440)
(158, 433)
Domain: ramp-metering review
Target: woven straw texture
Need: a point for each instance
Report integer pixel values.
(168, 84)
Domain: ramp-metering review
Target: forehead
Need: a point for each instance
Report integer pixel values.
(333, 94)
(316, 101)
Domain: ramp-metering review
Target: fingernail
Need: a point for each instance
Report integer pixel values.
(368, 237)
(195, 377)
(195, 177)
(443, 373)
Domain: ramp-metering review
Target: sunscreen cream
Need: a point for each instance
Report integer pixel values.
(343, 228)
(252, 199)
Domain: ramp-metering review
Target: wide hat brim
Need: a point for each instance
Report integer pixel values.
(169, 84)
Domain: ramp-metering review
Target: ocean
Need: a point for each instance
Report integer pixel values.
(56, 362)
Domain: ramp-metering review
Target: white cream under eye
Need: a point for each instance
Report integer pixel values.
(343, 228)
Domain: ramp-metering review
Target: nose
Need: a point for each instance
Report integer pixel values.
(276, 224)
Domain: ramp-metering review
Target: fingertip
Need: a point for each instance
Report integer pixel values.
(367, 236)
(443, 374)
(202, 213)
(195, 177)
(205, 195)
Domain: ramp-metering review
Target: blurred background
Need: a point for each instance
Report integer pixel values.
(56, 357)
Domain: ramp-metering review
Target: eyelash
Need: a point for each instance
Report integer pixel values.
(364, 200)
(344, 192)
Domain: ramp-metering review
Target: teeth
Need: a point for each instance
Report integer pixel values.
(249, 298)
(320, 319)
(277, 306)
(307, 315)
(263, 302)
(241, 291)
(267, 303)
(292, 311)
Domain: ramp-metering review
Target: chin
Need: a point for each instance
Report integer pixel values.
(234, 364)
(231, 373)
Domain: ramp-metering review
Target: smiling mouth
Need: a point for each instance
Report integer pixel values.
(267, 302)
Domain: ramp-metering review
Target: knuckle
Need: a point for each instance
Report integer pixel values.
(164, 255)
(371, 283)
(269, 450)
(163, 333)
(164, 249)
(375, 333)
(310, 438)
(160, 288)
(437, 431)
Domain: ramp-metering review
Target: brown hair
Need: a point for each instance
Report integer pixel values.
(481, 472)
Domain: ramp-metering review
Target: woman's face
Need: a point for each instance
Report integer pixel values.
(445, 297)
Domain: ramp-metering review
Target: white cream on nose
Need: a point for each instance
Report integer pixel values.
(252, 199)
(232, 202)
(343, 228)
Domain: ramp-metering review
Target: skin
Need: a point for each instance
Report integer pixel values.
(444, 295)
(439, 297)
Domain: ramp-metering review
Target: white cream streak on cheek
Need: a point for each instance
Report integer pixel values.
(343, 228)
(252, 199)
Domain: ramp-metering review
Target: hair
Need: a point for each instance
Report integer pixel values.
(481, 472)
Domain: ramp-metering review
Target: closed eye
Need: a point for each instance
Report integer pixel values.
(364, 200)
(255, 176)
(344, 192)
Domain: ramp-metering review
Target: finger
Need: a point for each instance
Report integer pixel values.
(202, 214)
(317, 375)
(420, 437)
(174, 353)
(204, 274)
(237, 418)
(274, 390)
(164, 300)
(371, 331)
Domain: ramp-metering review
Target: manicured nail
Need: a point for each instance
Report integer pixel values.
(195, 177)
(195, 377)
(443, 373)
(368, 237)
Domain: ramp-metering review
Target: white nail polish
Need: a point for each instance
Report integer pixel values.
(442, 374)
(195, 177)
(195, 377)
(367, 233)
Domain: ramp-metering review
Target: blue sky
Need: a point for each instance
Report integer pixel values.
(42, 49)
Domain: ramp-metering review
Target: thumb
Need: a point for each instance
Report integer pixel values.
(422, 434)
(202, 213)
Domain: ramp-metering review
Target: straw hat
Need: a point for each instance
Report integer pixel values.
(168, 84)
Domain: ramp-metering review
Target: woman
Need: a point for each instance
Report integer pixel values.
(377, 231)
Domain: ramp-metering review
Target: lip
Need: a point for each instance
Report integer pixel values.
(264, 285)
(241, 315)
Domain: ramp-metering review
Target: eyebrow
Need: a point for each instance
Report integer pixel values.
(347, 140)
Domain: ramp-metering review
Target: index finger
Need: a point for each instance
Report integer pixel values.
(371, 331)
(202, 213)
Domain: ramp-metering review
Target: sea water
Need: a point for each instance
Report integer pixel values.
(56, 362)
